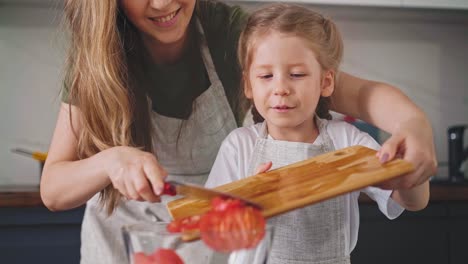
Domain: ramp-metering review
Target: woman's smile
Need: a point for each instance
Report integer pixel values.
(163, 23)
(166, 20)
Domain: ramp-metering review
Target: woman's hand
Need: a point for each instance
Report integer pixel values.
(412, 141)
(135, 173)
(264, 167)
(375, 103)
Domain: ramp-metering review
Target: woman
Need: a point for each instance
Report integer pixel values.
(151, 91)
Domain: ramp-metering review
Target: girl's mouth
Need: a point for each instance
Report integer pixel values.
(282, 108)
(167, 20)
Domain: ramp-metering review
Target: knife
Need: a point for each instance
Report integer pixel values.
(40, 156)
(173, 188)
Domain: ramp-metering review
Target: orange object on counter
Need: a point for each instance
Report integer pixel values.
(39, 156)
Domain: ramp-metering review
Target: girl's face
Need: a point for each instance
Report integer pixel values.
(285, 82)
(165, 21)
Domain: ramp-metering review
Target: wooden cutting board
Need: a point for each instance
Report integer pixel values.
(304, 183)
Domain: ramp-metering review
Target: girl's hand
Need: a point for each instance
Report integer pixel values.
(264, 167)
(413, 141)
(135, 173)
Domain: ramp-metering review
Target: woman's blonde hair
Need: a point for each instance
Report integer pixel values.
(320, 34)
(101, 75)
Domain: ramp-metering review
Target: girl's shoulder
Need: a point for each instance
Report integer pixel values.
(339, 126)
(246, 133)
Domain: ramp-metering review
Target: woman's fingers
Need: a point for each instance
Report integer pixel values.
(136, 174)
(118, 181)
(416, 149)
(155, 174)
(389, 149)
(144, 189)
(425, 166)
(131, 192)
(263, 167)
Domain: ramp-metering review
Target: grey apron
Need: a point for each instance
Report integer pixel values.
(186, 149)
(313, 234)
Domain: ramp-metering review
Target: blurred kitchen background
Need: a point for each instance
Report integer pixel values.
(420, 46)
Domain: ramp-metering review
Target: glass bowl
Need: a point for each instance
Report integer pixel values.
(143, 240)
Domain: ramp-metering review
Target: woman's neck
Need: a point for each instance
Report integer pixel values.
(305, 132)
(162, 53)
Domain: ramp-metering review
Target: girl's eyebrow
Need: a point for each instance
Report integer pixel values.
(261, 66)
(268, 66)
(296, 64)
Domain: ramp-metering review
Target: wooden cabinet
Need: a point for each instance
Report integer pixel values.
(36, 235)
(437, 234)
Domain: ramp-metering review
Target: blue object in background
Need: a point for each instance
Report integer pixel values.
(369, 129)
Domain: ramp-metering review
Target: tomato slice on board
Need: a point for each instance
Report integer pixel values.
(159, 256)
(234, 227)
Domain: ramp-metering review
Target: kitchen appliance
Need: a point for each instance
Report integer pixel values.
(304, 183)
(456, 152)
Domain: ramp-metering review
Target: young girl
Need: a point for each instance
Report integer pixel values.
(289, 57)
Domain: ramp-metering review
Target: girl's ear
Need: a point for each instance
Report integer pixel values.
(247, 87)
(328, 83)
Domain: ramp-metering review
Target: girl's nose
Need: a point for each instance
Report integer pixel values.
(159, 4)
(281, 87)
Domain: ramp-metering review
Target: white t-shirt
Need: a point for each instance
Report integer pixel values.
(232, 164)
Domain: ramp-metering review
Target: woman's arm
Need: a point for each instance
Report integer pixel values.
(389, 109)
(67, 182)
(414, 199)
(377, 103)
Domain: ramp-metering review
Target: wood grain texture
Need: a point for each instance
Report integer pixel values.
(304, 183)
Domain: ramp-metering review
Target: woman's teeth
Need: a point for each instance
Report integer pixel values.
(166, 18)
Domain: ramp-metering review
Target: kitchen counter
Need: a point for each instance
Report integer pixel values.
(30, 233)
(28, 196)
(20, 196)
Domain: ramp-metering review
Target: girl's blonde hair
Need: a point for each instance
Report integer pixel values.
(101, 76)
(320, 34)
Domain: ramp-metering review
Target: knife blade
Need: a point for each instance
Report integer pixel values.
(173, 188)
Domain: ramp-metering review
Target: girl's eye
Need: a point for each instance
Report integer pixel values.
(297, 75)
(265, 76)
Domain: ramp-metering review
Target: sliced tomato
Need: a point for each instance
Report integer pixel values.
(159, 256)
(166, 256)
(230, 225)
(185, 224)
(142, 258)
(235, 228)
(221, 204)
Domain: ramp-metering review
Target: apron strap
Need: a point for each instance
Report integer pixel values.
(206, 55)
